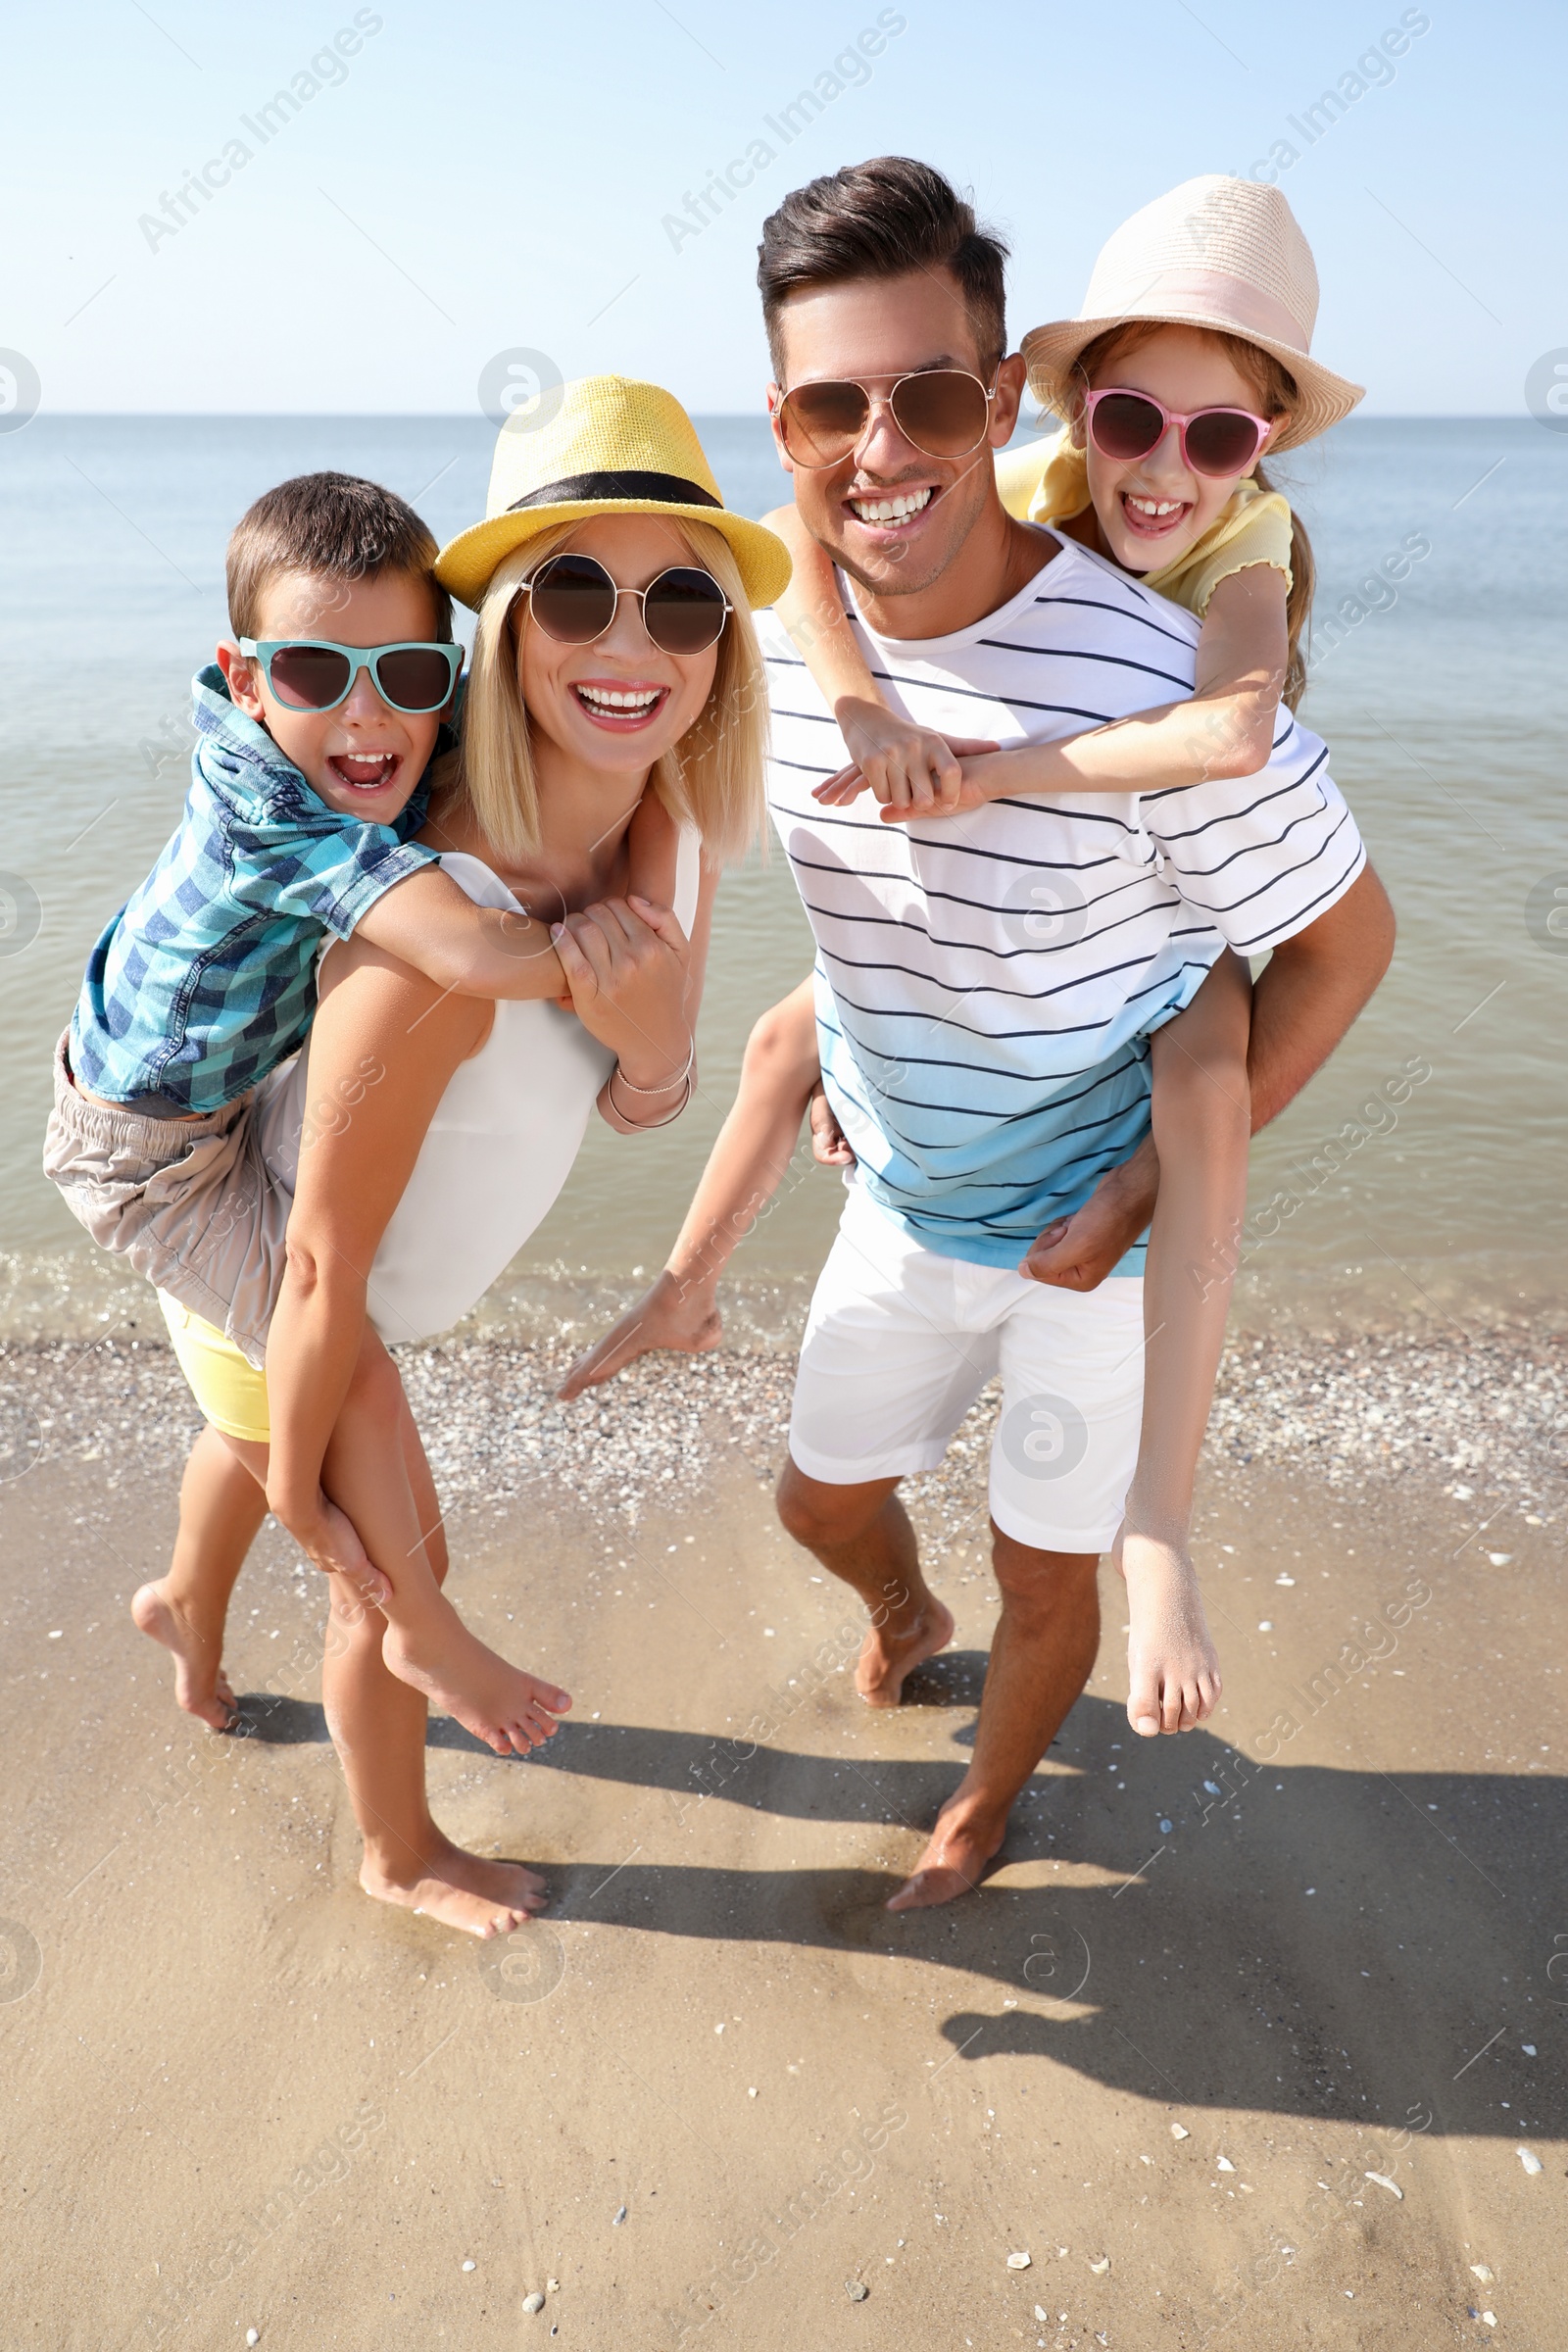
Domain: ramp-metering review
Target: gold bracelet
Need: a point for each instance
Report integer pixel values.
(690, 1059)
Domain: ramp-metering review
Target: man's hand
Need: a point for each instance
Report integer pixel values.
(1077, 1252)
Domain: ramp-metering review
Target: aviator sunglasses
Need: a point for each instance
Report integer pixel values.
(1125, 426)
(310, 673)
(942, 412)
(574, 601)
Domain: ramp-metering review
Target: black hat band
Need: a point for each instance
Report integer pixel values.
(668, 489)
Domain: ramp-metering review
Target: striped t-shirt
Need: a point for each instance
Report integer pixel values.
(986, 984)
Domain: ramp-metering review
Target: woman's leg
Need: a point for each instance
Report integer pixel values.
(220, 1508)
(377, 1725)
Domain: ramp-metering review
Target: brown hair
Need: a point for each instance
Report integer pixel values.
(711, 778)
(331, 526)
(1275, 391)
(883, 218)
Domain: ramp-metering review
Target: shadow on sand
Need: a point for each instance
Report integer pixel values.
(1338, 1944)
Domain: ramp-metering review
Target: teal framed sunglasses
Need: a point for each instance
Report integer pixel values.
(312, 673)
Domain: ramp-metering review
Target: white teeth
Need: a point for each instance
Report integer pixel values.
(603, 698)
(891, 509)
(1157, 507)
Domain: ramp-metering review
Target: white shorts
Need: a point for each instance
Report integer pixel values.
(901, 1342)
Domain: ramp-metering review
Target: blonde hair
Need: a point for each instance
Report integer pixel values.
(711, 778)
(1275, 391)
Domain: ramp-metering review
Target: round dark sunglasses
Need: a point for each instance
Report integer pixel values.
(312, 673)
(942, 412)
(574, 601)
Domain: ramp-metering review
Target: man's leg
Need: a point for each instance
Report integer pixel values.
(862, 1534)
(1042, 1655)
(1060, 1462)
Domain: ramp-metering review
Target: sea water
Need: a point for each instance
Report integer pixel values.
(1421, 1173)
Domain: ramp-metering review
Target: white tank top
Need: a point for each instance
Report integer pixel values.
(501, 1145)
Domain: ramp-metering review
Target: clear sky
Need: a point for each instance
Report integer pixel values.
(492, 177)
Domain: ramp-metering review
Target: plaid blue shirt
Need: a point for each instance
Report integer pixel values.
(205, 979)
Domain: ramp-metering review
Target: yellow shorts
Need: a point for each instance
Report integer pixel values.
(231, 1391)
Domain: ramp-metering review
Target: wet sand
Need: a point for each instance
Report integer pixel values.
(1163, 2062)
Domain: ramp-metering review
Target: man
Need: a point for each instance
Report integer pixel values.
(994, 1082)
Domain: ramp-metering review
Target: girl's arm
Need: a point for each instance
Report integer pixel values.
(1224, 729)
(1201, 1115)
(906, 766)
(780, 1080)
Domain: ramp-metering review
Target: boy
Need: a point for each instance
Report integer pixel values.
(316, 728)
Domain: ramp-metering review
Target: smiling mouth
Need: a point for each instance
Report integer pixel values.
(891, 509)
(1154, 518)
(620, 707)
(365, 771)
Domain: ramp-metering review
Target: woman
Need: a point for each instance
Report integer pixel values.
(616, 680)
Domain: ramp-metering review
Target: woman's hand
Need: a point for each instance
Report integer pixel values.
(911, 769)
(627, 963)
(330, 1541)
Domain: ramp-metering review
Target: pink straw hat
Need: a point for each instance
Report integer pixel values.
(1217, 253)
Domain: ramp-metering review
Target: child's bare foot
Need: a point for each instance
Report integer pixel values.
(1173, 1672)
(960, 1845)
(467, 1891)
(886, 1656)
(509, 1710)
(680, 1315)
(201, 1685)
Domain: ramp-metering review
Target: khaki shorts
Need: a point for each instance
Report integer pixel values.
(200, 1205)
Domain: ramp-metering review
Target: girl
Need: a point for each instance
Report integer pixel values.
(1171, 389)
(616, 667)
(1180, 372)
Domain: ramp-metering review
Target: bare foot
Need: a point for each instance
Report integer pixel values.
(953, 1862)
(509, 1710)
(887, 1657)
(669, 1314)
(463, 1890)
(201, 1685)
(1173, 1673)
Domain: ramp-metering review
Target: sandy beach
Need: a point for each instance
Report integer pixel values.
(1239, 2044)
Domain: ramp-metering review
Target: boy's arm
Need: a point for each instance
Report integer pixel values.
(906, 766)
(1224, 729)
(1202, 1116)
(753, 1149)
(428, 922)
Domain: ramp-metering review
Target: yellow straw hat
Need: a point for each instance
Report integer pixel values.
(612, 446)
(1218, 253)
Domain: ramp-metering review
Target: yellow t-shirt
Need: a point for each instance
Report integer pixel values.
(1047, 481)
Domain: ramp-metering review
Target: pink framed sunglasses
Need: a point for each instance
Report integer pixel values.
(1125, 424)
